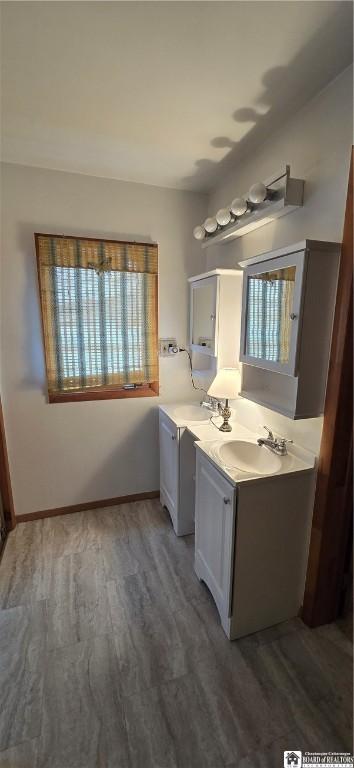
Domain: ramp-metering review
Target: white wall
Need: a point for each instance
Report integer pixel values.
(64, 454)
(317, 144)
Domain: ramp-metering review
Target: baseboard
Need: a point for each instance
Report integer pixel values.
(87, 505)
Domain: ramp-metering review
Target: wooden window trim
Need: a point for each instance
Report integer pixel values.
(94, 239)
(146, 390)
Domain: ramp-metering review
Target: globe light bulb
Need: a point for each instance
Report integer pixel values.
(239, 206)
(199, 233)
(223, 217)
(258, 193)
(210, 224)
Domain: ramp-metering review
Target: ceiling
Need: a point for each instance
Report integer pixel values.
(163, 93)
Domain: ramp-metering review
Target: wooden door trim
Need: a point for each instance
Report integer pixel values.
(334, 491)
(5, 481)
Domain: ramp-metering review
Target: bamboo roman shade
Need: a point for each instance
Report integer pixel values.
(99, 308)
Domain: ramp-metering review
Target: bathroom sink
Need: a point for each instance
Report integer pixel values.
(191, 413)
(248, 457)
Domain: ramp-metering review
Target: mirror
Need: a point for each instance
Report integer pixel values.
(270, 298)
(203, 316)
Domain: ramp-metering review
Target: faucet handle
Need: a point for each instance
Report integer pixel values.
(283, 441)
(270, 433)
(281, 445)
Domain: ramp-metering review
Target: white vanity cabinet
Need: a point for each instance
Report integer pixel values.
(287, 318)
(251, 544)
(215, 315)
(177, 474)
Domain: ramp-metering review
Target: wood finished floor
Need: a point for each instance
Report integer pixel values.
(112, 656)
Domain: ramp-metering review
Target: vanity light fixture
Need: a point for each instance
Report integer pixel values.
(210, 225)
(258, 193)
(239, 206)
(199, 233)
(223, 217)
(264, 202)
(225, 386)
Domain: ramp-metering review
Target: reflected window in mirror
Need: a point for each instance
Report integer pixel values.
(270, 297)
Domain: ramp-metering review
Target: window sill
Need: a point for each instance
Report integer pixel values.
(148, 390)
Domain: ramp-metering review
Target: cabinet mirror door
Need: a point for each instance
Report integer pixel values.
(203, 309)
(272, 302)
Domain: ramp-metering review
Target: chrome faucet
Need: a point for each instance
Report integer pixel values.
(275, 444)
(211, 403)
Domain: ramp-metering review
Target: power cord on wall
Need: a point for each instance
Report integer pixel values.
(200, 389)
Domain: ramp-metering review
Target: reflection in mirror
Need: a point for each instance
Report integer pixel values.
(270, 297)
(203, 317)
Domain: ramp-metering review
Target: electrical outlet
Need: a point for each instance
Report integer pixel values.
(166, 346)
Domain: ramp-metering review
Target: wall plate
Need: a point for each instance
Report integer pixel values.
(166, 346)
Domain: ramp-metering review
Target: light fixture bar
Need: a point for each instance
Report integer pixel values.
(285, 195)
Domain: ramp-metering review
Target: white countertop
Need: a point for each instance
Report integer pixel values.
(208, 437)
(205, 430)
(296, 460)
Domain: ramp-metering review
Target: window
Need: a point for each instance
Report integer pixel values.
(99, 311)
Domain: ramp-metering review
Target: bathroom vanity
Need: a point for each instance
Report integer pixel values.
(251, 512)
(252, 531)
(180, 425)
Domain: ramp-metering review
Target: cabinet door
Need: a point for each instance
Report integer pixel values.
(271, 313)
(214, 533)
(169, 466)
(204, 315)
